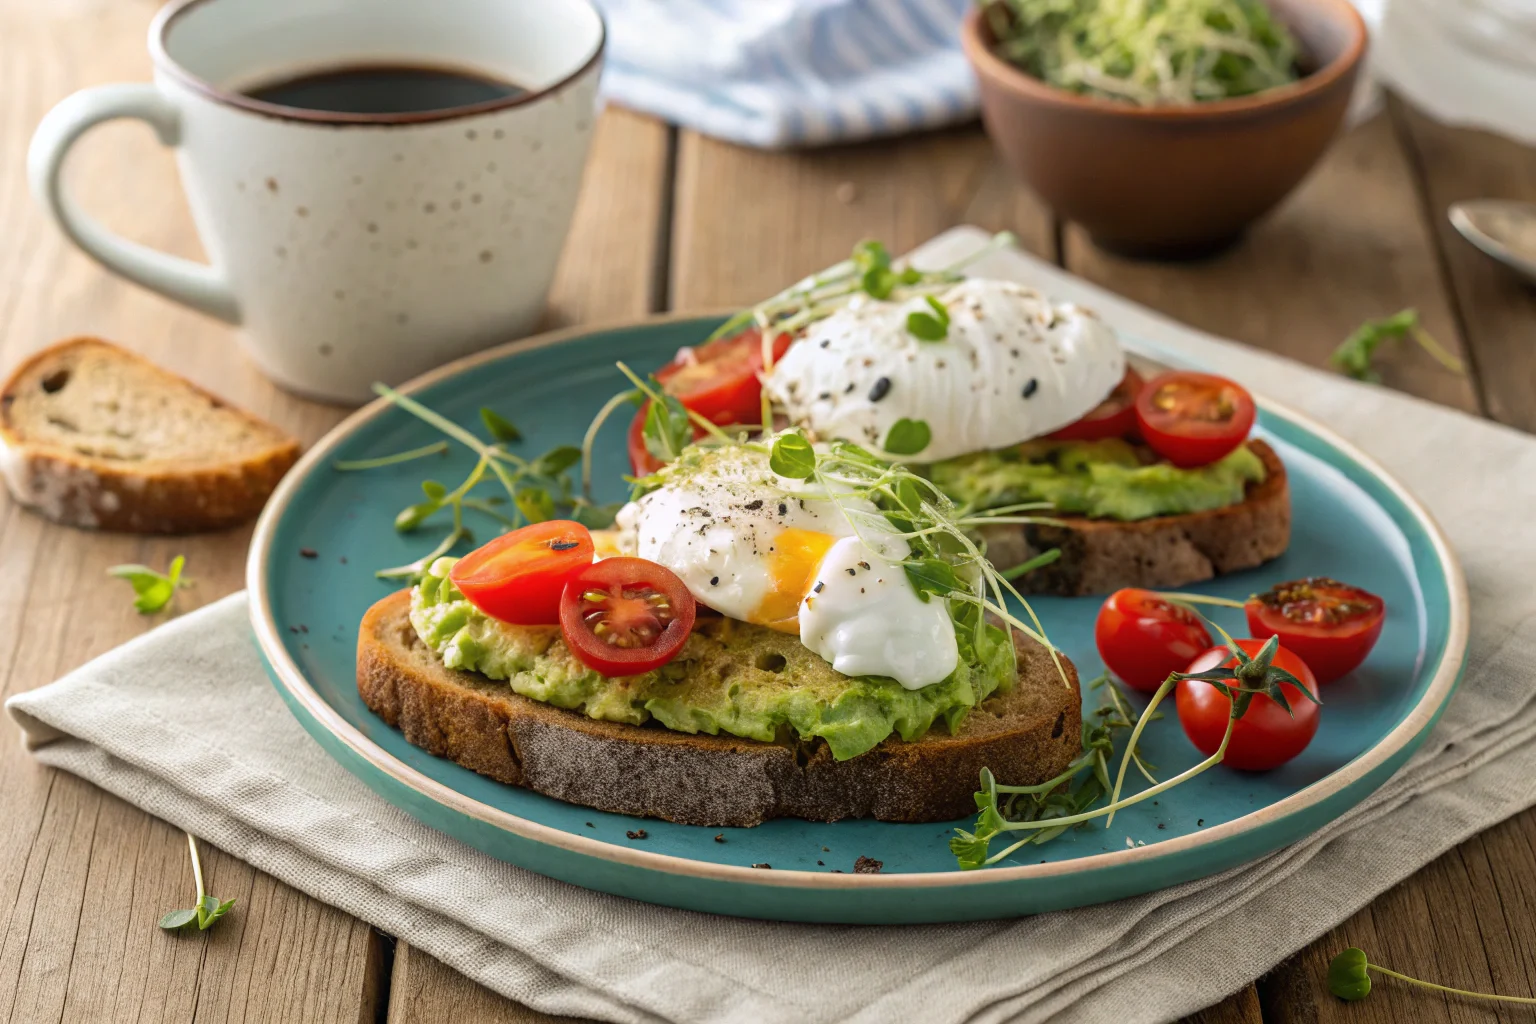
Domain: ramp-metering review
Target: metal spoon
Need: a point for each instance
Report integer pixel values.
(1503, 228)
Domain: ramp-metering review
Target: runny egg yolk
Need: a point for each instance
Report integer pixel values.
(792, 565)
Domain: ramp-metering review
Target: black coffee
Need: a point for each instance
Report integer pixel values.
(384, 89)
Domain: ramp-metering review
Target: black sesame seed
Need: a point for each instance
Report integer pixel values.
(638, 833)
(819, 587)
(826, 342)
(783, 509)
(863, 565)
(880, 390)
(849, 389)
(308, 553)
(1030, 387)
(852, 572)
(824, 396)
(714, 581)
(753, 506)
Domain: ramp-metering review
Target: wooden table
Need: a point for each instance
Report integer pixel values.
(668, 220)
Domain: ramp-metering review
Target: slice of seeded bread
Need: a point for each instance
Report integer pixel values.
(1101, 555)
(93, 435)
(1025, 736)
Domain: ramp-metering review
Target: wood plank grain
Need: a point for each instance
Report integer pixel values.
(750, 222)
(1241, 1007)
(84, 876)
(1497, 309)
(424, 989)
(1350, 245)
(1467, 920)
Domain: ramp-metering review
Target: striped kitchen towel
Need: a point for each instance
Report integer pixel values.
(790, 72)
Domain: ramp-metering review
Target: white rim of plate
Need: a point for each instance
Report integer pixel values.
(269, 636)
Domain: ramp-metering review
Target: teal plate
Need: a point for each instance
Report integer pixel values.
(1350, 520)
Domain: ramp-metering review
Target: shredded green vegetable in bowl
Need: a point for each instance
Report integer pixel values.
(1147, 52)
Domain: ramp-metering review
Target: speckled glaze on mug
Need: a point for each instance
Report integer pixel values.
(354, 247)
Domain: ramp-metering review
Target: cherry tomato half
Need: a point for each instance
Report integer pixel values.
(624, 616)
(1332, 626)
(719, 379)
(1265, 737)
(1113, 417)
(1192, 419)
(1142, 637)
(519, 576)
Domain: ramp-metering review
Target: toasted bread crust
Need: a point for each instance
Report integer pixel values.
(163, 496)
(1026, 736)
(1101, 555)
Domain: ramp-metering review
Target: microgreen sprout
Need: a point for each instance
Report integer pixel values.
(1349, 978)
(868, 271)
(1240, 683)
(152, 590)
(1355, 356)
(535, 489)
(1083, 783)
(206, 911)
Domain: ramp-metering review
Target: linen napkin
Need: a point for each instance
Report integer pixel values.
(267, 794)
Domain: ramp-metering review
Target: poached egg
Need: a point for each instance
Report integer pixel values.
(1013, 366)
(782, 553)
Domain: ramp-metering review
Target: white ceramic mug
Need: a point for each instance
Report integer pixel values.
(353, 247)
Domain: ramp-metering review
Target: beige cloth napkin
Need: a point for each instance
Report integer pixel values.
(269, 795)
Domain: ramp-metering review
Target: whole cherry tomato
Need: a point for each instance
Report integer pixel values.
(1266, 736)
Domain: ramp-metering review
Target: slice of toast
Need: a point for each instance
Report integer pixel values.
(1025, 736)
(93, 435)
(1101, 555)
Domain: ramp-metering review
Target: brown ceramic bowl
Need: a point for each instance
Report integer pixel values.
(1172, 181)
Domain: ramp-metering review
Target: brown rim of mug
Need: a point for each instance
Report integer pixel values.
(975, 38)
(164, 62)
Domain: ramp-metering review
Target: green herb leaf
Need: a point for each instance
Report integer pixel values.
(1348, 976)
(178, 919)
(879, 282)
(153, 590)
(434, 490)
(793, 457)
(1355, 356)
(209, 910)
(871, 255)
(907, 437)
(555, 461)
(407, 519)
(926, 327)
(932, 576)
(501, 429)
(667, 430)
(536, 504)
(596, 517)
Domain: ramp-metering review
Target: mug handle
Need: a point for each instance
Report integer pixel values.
(193, 284)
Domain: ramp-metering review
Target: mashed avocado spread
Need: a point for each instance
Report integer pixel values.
(730, 677)
(1108, 479)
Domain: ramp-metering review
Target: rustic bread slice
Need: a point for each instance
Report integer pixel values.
(1101, 555)
(93, 435)
(1025, 736)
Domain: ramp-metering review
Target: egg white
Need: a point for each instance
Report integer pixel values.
(1013, 366)
(762, 548)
